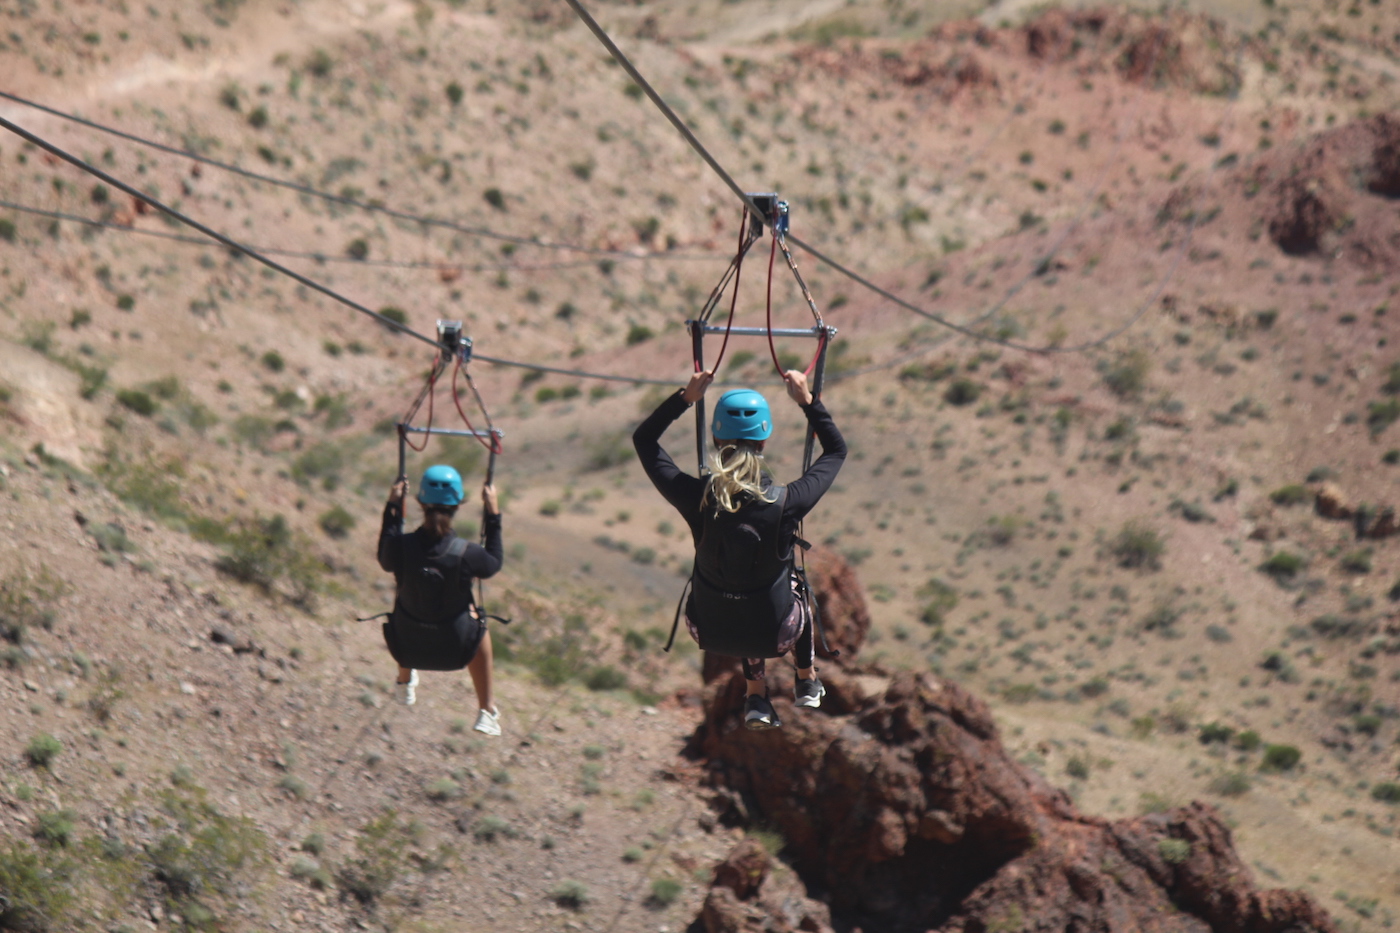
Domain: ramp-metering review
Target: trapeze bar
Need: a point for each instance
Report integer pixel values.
(453, 432)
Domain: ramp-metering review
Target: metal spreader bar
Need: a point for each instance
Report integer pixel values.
(763, 331)
(454, 432)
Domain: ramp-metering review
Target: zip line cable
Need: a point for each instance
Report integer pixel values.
(322, 257)
(309, 283)
(325, 195)
(211, 233)
(670, 114)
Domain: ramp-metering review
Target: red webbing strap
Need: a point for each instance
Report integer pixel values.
(734, 300)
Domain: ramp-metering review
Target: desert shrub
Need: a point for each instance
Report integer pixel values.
(1215, 732)
(609, 451)
(273, 361)
(308, 870)
(264, 551)
(7, 230)
(1137, 545)
(28, 600)
(336, 521)
(138, 401)
(1381, 415)
(570, 894)
(495, 198)
(382, 846)
(1331, 625)
(1280, 758)
(491, 827)
(664, 891)
(1126, 376)
(454, 93)
(55, 828)
(1219, 634)
(546, 394)
(1367, 724)
(1077, 767)
(1174, 851)
(42, 750)
(1292, 494)
(1283, 566)
(397, 315)
(205, 856)
(550, 508)
(941, 599)
(1386, 792)
(1358, 561)
(1095, 687)
(1231, 784)
(319, 63)
(1247, 741)
(36, 887)
(962, 391)
(639, 333)
(606, 677)
(443, 790)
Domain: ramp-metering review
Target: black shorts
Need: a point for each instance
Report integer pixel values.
(446, 647)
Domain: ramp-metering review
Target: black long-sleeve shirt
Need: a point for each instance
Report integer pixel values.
(685, 491)
(478, 562)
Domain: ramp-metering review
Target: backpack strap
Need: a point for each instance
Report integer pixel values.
(456, 550)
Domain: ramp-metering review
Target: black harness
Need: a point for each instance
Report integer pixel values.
(435, 624)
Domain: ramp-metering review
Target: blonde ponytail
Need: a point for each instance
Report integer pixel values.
(735, 468)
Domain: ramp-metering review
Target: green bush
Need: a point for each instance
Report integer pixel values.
(336, 522)
(1126, 376)
(1231, 784)
(454, 93)
(490, 827)
(55, 828)
(264, 551)
(37, 889)
(570, 894)
(1381, 415)
(1292, 494)
(1280, 758)
(357, 249)
(1358, 561)
(7, 230)
(962, 391)
(273, 361)
(1386, 792)
(1247, 741)
(639, 333)
(205, 857)
(1174, 851)
(42, 750)
(664, 891)
(28, 600)
(1283, 566)
(606, 677)
(382, 845)
(1138, 545)
(495, 198)
(1215, 732)
(138, 401)
(941, 599)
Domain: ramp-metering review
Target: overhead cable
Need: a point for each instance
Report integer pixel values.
(327, 196)
(321, 257)
(209, 232)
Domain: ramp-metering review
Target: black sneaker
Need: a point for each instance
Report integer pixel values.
(809, 693)
(759, 713)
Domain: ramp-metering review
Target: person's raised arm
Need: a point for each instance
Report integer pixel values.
(391, 528)
(679, 488)
(485, 561)
(804, 493)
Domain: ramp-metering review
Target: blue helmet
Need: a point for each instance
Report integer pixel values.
(742, 415)
(441, 485)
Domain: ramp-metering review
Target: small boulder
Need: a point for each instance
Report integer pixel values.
(1331, 502)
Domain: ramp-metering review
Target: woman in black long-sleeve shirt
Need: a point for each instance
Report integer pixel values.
(435, 624)
(742, 601)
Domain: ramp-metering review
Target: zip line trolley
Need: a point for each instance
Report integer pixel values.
(457, 352)
(774, 213)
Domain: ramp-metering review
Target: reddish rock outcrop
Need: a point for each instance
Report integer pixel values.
(747, 896)
(903, 811)
(1333, 197)
(1331, 502)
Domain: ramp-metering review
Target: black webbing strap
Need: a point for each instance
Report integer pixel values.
(680, 605)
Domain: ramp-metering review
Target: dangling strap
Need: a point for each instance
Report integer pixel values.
(805, 589)
(382, 615)
(680, 605)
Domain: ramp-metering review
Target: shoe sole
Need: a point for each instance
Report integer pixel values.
(762, 725)
(810, 702)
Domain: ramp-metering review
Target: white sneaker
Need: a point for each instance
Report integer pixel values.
(488, 723)
(406, 693)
